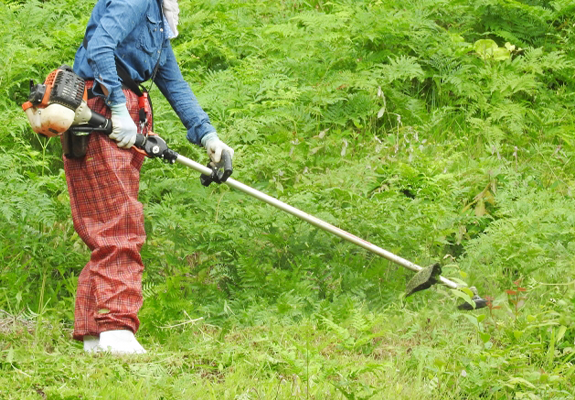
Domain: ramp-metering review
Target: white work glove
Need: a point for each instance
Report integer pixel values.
(124, 129)
(214, 146)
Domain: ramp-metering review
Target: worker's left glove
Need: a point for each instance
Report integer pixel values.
(124, 129)
(214, 146)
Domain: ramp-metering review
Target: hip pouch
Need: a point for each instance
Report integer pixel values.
(75, 145)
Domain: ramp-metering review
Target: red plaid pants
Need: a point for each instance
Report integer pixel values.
(103, 188)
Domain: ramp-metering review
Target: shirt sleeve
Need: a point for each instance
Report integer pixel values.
(171, 83)
(118, 20)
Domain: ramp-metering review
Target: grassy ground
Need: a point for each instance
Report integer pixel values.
(426, 351)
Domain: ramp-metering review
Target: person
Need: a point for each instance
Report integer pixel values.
(133, 35)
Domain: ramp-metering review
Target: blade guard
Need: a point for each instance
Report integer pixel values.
(220, 171)
(424, 279)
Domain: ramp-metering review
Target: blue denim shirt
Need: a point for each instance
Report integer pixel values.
(133, 31)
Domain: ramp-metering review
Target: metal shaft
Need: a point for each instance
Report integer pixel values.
(313, 220)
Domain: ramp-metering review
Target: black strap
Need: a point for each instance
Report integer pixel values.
(127, 79)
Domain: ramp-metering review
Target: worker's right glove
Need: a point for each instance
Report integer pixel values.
(214, 146)
(124, 129)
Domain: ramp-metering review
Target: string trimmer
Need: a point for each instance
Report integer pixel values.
(66, 91)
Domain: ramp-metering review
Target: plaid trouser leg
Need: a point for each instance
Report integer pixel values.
(103, 188)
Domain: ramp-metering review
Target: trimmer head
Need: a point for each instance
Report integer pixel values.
(479, 302)
(430, 276)
(424, 279)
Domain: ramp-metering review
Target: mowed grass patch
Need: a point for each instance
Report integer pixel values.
(424, 351)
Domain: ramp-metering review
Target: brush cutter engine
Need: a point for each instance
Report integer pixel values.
(59, 105)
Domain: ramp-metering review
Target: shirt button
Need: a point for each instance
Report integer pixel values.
(158, 51)
(161, 29)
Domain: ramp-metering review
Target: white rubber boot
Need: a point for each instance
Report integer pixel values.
(120, 342)
(91, 344)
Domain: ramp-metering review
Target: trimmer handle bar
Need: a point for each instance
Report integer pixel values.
(220, 171)
(156, 147)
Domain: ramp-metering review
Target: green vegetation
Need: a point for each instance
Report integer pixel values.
(440, 130)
